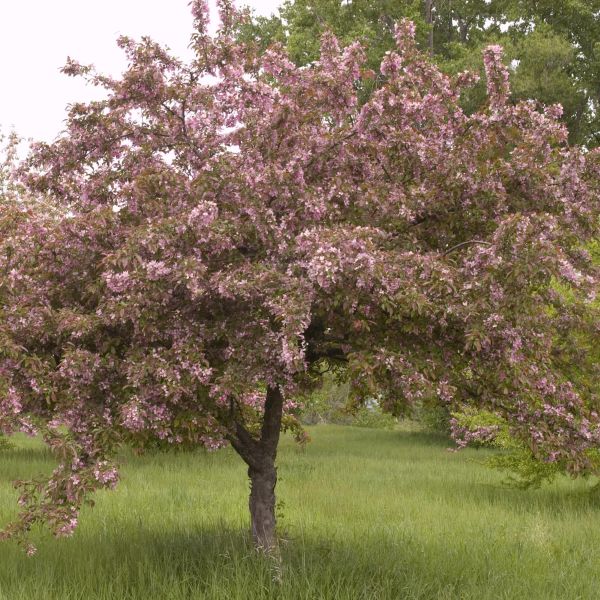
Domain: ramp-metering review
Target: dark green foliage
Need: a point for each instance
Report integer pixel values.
(433, 417)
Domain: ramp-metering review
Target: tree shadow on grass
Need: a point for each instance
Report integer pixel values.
(218, 562)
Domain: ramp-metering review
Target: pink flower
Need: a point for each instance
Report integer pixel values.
(132, 416)
(203, 214)
(118, 282)
(67, 529)
(106, 474)
(157, 269)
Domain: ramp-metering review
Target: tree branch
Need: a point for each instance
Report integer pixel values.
(247, 456)
(480, 242)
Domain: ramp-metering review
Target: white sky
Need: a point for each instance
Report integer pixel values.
(36, 36)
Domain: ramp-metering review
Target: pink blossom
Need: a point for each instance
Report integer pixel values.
(106, 475)
(132, 416)
(497, 76)
(118, 282)
(203, 214)
(157, 269)
(67, 529)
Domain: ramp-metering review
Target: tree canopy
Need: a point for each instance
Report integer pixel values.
(553, 44)
(230, 228)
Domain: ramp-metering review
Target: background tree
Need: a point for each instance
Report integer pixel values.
(554, 45)
(231, 228)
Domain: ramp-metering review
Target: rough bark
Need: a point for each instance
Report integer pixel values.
(262, 506)
(259, 455)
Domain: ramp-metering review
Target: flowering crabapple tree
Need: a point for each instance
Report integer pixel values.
(233, 227)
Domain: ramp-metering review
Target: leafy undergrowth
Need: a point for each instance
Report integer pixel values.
(364, 514)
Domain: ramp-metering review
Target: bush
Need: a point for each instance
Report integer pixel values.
(433, 417)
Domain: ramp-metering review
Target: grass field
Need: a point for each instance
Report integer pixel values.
(364, 514)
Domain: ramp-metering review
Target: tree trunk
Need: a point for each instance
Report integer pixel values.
(259, 455)
(262, 506)
(429, 21)
(464, 30)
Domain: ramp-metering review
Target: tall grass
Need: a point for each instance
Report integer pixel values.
(365, 514)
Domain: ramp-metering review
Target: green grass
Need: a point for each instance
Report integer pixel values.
(364, 514)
